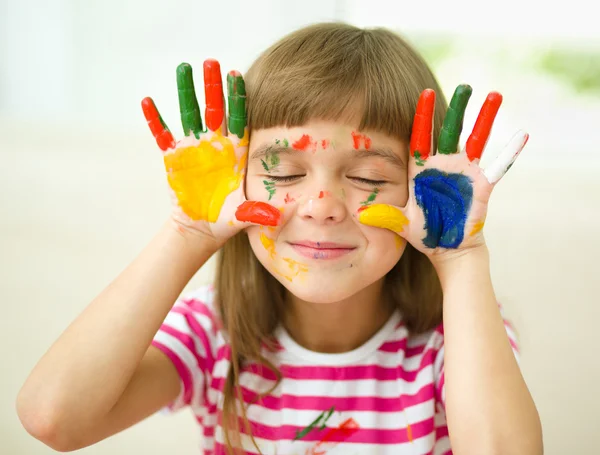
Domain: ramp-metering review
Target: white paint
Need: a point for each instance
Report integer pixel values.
(507, 157)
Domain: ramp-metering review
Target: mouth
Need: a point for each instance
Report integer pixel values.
(321, 250)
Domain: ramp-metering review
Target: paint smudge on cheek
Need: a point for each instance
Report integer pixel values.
(269, 245)
(258, 213)
(295, 269)
(288, 199)
(371, 197)
(445, 200)
(358, 139)
(305, 144)
(270, 187)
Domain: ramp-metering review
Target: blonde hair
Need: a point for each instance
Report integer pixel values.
(327, 71)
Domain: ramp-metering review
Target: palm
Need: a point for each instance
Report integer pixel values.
(205, 169)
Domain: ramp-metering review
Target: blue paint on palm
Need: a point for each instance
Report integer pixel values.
(445, 200)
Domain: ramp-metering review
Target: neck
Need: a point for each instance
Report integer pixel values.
(338, 326)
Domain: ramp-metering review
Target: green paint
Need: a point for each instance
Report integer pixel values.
(270, 187)
(371, 197)
(271, 160)
(236, 94)
(188, 103)
(286, 143)
(418, 159)
(324, 416)
(453, 122)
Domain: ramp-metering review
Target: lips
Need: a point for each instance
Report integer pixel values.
(321, 250)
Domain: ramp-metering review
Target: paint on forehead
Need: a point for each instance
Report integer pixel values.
(358, 139)
(446, 201)
(325, 143)
(271, 160)
(283, 142)
(305, 144)
(269, 245)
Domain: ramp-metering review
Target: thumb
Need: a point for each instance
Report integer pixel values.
(260, 213)
(383, 216)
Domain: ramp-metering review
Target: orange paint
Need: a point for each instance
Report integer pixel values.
(322, 194)
(288, 198)
(478, 227)
(305, 143)
(345, 430)
(296, 268)
(357, 138)
(203, 175)
(325, 143)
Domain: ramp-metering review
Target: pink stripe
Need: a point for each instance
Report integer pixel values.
(200, 307)
(394, 346)
(347, 373)
(182, 369)
(361, 435)
(319, 403)
(440, 387)
(441, 432)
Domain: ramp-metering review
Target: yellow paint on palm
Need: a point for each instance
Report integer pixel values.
(269, 245)
(399, 242)
(203, 175)
(478, 227)
(383, 216)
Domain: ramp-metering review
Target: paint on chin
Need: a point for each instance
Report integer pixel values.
(269, 245)
(445, 200)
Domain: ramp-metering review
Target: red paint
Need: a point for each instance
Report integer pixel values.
(305, 143)
(357, 138)
(341, 433)
(321, 195)
(161, 133)
(213, 91)
(258, 213)
(325, 143)
(420, 139)
(363, 208)
(481, 131)
(288, 198)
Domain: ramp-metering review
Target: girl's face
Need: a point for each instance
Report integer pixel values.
(319, 176)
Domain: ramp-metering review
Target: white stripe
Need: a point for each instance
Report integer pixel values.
(442, 446)
(346, 388)
(178, 322)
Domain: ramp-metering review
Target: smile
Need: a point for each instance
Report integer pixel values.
(321, 250)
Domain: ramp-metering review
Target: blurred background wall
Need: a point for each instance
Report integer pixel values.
(82, 189)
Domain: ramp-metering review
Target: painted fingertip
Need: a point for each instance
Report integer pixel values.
(191, 120)
(483, 126)
(213, 90)
(383, 216)
(420, 140)
(157, 126)
(236, 93)
(258, 213)
(453, 121)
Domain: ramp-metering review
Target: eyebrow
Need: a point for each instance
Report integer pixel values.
(385, 153)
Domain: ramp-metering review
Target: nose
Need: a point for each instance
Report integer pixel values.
(323, 208)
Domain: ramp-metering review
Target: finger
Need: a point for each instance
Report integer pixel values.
(236, 94)
(421, 137)
(483, 125)
(188, 103)
(507, 157)
(258, 213)
(453, 121)
(213, 90)
(159, 129)
(383, 216)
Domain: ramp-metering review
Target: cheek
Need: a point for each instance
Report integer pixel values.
(384, 246)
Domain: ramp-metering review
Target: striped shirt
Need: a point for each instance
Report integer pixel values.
(385, 397)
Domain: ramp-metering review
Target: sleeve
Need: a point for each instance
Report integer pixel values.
(438, 364)
(188, 337)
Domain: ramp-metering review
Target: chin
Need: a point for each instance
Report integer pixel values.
(316, 289)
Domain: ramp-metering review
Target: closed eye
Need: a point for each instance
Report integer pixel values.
(368, 182)
(284, 178)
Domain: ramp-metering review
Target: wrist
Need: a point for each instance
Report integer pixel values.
(191, 242)
(461, 263)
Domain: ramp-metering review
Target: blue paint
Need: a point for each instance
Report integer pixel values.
(445, 200)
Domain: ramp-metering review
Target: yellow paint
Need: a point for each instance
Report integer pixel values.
(269, 245)
(203, 175)
(296, 269)
(383, 216)
(271, 228)
(399, 242)
(478, 227)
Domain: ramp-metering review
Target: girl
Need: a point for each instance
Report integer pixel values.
(352, 311)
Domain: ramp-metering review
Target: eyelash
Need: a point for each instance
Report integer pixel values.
(290, 178)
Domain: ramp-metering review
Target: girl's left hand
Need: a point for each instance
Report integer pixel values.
(449, 192)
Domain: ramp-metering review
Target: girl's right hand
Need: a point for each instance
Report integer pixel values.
(206, 168)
